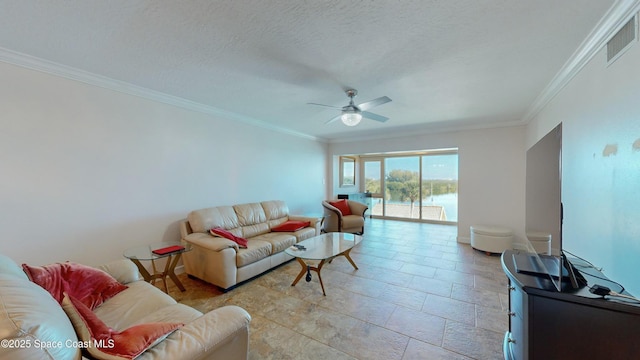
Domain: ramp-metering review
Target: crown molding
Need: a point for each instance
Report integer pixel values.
(53, 68)
(609, 24)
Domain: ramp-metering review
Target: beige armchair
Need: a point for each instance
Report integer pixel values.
(334, 221)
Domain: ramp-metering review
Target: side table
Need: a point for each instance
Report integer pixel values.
(145, 253)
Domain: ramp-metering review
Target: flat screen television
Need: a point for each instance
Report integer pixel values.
(543, 213)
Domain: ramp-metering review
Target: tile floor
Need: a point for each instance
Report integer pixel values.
(418, 294)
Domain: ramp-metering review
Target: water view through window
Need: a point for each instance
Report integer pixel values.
(422, 187)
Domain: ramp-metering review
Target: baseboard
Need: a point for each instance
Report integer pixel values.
(179, 269)
(463, 240)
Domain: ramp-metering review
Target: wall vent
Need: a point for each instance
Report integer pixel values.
(622, 40)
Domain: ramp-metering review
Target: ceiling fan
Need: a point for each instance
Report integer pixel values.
(352, 114)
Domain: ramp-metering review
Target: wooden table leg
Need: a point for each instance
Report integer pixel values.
(156, 273)
(163, 275)
(346, 254)
(143, 271)
(320, 277)
(302, 271)
(306, 268)
(169, 270)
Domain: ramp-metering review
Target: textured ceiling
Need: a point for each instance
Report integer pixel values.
(451, 64)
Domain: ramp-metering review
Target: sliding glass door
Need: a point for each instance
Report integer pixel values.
(373, 184)
(440, 187)
(402, 187)
(417, 186)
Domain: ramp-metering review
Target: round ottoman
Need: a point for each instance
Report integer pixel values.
(491, 239)
(541, 241)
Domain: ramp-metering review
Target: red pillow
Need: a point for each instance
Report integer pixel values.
(242, 242)
(106, 343)
(342, 205)
(291, 225)
(89, 285)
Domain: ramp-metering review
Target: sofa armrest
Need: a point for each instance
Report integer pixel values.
(312, 219)
(330, 210)
(314, 222)
(222, 333)
(357, 208)
(185, 228)
(332, 218)
(210, 242)
(125, 271)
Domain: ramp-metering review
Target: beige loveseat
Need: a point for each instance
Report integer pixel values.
(221, 261)
(33, 324)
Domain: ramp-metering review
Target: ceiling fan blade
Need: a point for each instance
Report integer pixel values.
(373, 103)
(373, 116)
(329, 106)
(334, 119)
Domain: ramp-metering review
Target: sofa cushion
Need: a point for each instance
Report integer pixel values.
(250, 214)
(255, 229)
(341, 205)
(256, 250)
(305, 233)
(278, 241)
(29, 313)
(173, 313)
(90, 285)
(110, 344)
(275, 209)
(204, 219)
(131, 306)
(242, 242)
(290, 226)
(352, 221)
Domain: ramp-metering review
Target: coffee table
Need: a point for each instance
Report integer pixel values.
(324, 247)
(145, 253)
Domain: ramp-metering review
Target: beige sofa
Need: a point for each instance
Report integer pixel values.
(220, 261)
(32, 322)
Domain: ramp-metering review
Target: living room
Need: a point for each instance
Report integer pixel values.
(94, 165)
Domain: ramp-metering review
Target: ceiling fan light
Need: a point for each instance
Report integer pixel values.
(351, 118)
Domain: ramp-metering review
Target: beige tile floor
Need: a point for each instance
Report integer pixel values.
(418, 294)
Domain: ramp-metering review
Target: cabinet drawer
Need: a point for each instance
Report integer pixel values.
(517, 299)
(517, 337)
(517, 323)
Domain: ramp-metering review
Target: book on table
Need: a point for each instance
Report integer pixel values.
(168, 249)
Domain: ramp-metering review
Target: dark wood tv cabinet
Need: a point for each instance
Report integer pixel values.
(573, 324)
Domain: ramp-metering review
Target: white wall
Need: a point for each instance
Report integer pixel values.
(88, 172)
(491, 172)
(600, 164)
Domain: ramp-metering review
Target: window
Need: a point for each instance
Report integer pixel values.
(347, 171)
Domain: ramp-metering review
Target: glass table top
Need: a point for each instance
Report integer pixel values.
(145, 252)
(325, 246)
